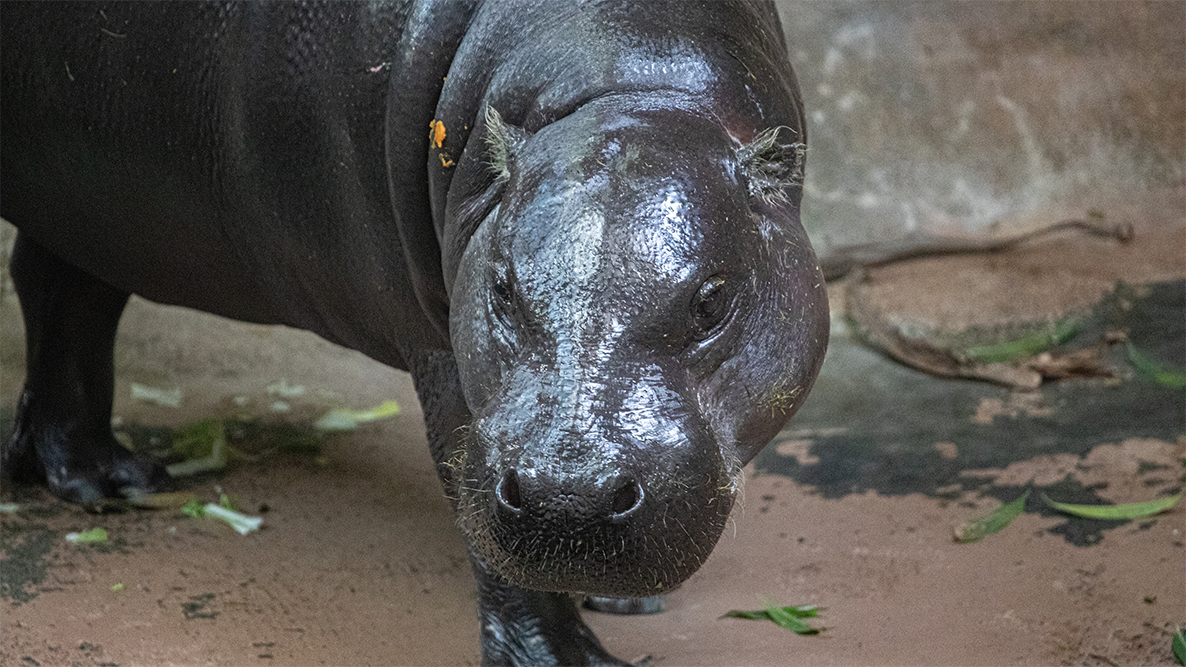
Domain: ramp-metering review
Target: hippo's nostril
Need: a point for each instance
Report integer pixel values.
(507, 491)
(627, 498)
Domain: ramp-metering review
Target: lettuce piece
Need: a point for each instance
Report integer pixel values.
(92, 536)
(348, 420)
(242, 523)
(169, 398)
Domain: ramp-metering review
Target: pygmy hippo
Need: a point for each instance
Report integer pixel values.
(576, 224)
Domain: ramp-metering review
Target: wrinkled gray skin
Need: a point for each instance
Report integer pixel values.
(598, 279)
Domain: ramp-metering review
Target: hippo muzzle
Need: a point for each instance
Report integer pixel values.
(616, 489)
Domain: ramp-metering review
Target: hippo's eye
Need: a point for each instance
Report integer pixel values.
(503, 291)
(503, 301)
(710, 305)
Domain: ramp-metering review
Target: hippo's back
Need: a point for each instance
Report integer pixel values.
(228, 157)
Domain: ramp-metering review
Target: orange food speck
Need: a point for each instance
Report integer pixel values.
(437, 135)
(444, 162)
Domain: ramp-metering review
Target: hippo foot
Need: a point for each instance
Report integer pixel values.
(88, 468)
(523, 627)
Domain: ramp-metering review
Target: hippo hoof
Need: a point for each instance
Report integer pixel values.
(652, 604)
(93, 471)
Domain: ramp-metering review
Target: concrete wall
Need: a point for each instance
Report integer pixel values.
(953, 116)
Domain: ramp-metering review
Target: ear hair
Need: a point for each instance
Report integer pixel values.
(772, 168)
(502, 140)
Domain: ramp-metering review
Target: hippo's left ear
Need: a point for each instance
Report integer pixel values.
(504, 141)
(773, 166)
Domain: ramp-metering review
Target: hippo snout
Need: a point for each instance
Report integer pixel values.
(616, 498)
(608, 519)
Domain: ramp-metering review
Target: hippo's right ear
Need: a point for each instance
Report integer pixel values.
(504, 141)
(773, 166)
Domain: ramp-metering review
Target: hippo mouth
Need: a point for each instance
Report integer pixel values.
(622, 535)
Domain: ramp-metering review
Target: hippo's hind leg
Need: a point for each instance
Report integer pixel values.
(63, 422)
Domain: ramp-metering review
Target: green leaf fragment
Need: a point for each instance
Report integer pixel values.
(1022, 348)
(1127, 511)
(802, 611)
(94, 535)
(117, 587)
(242, 523)
(348, 420)
(784, 617)
(203, 446)
(226, 501)
(199, 439)
(1178, 644)
(1144, 365)
(991, 523)
(194, 508)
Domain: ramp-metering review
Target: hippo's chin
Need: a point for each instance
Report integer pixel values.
(645, 555)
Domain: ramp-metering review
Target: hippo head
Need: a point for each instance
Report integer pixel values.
(639, 314)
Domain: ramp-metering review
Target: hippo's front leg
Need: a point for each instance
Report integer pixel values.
(518, 626)
(525, 627)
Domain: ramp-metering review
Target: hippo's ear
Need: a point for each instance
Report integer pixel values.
(504, 141)
(773, 166)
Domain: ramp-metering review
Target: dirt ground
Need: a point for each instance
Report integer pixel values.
(359, 563)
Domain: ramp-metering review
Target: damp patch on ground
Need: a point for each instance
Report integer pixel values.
(874, 425)
(24, 555)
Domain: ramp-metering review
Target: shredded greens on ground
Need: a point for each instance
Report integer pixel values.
(783, 616)
(1144, 365)
(347, 420)
(991, 523)
(1022, 348)
(203, 447)
(169, 398)
(242, 523)
(1127, 511)
(92, 536)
